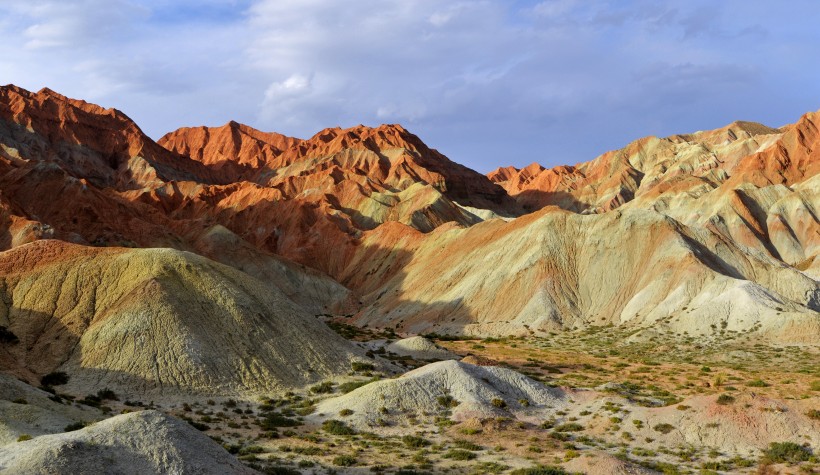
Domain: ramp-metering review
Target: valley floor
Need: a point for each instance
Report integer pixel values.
(628, 407)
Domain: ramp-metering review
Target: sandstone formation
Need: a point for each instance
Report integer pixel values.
(554, 270)
(140, 442)
(469, 391)
(420, 348)
(28, 411)
(695, 234)
(156, 322)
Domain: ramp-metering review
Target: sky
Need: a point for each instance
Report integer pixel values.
(488, 83)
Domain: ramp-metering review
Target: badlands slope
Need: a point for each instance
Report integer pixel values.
(156, 322)
(141, 442)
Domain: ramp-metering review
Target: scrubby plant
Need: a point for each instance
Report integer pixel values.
(344, 460)
(325, 387)
(6, 336)
(725, 399)
(55, 378)
(569, 427)
(414, 441)
(786, 452)
(540, 470)
(447, 401)
(23, 438)
(336, 427)
(757, 383)
(346, 412)
(498, 402)
(107, 395)
(74, 426)
(466, 445)
(459, 454)
(664, 428)
(361, 366)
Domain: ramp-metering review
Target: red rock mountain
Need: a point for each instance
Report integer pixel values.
(704, 227)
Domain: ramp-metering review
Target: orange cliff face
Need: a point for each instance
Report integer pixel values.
(307, 200)
(742, 152)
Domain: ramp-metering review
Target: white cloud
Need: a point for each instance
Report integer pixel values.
(459, 73)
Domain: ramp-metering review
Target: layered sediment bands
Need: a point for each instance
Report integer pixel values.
(156, 321)
(554, 270)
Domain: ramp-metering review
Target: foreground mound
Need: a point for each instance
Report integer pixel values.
(141, 442)
(420, 348)
(28, 411)
(156, 321)
(468, 391)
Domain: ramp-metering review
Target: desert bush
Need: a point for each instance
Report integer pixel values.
(74, 426)
(459, 454)
(336, 427)
(725, 399)
(540, 470)
(6, 336)
(786, 452)
(273, 420)
(55, 378)
(414, 441)
(466, 445)
(107, 395)
(757, 383)
(360, 366)
(23, 438)
(447, 401)
(569, 427)
(498, 402)
(322, 388)
(664, 428)
(813, 414)
(345, 412)
(344, 460)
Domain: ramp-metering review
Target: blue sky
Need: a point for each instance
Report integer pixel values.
(487, 82)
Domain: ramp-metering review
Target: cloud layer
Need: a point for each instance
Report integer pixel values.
(487, 82)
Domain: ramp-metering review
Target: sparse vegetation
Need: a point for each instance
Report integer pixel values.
(56, 378)
(336, 427)
(786, 452)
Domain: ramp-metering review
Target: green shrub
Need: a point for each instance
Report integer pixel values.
(467, 445)
(360, 366)
(664, 428)
(459, 454)
(107, 395)
(815, 386)
(786, 452)
(498, 402)
(813, 414)
(725, 399)
(74, 426)
(540, 470)
(346, 412)
(569, 427)
(414, 441)
(344, 460)
(23, 438)
(273, 420)
(757, 383)
(447, 401)
(6, 336)
(55, 378)
(322, 388)
(336, 427)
